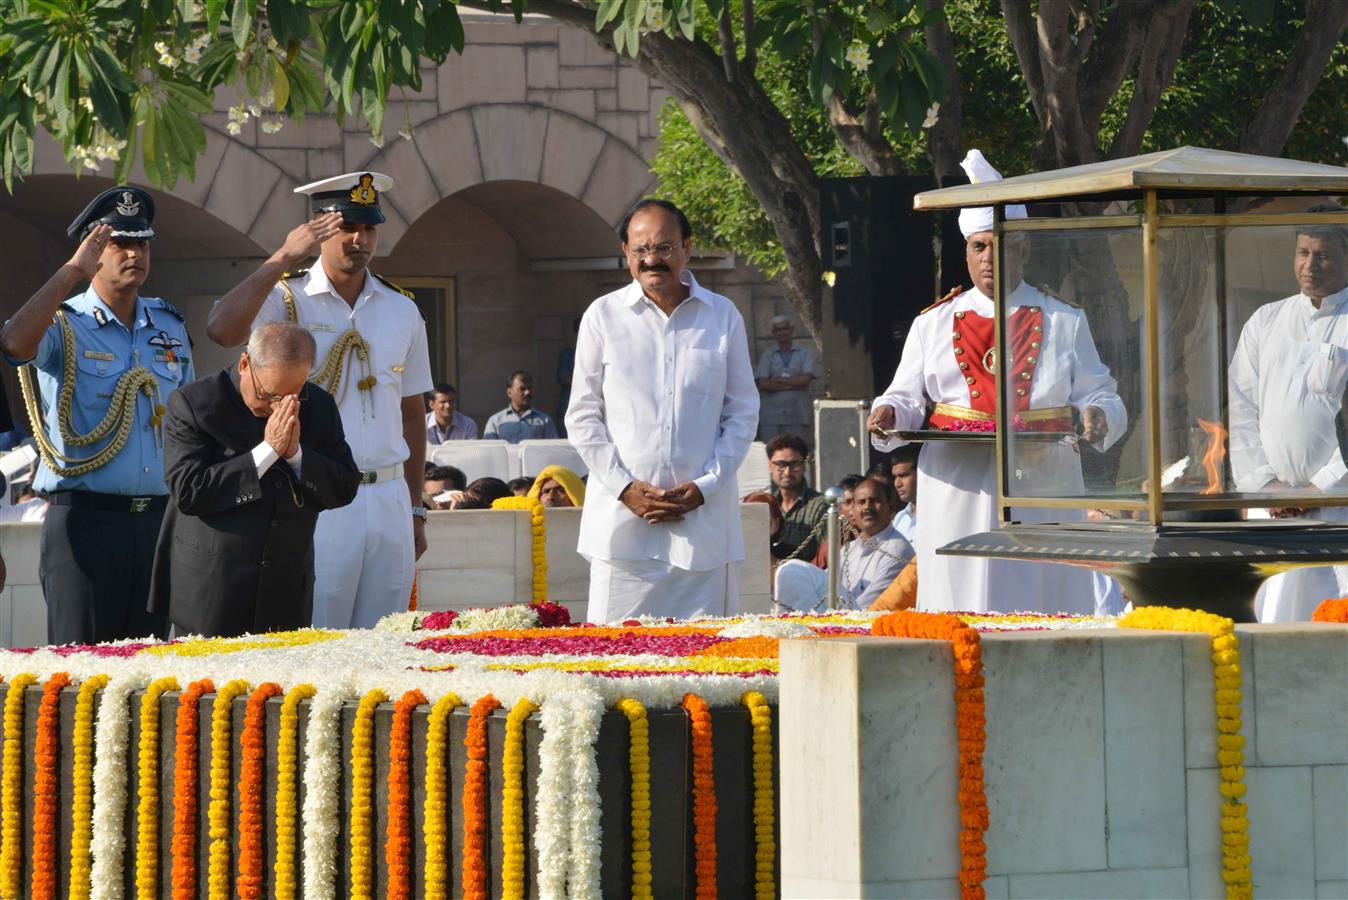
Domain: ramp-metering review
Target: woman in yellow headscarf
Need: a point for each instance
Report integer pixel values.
(558, 486)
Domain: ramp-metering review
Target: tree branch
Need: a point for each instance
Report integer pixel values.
(1060, 65)
(1268, 129)
(750, 51)
(865, 145)
(1117, 45)
(943, 139)
(725, 32)
(1020, 28)
(1160, 55)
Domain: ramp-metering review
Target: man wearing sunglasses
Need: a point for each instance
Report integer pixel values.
(252, 454)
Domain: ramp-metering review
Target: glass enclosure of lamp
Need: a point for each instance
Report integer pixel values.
(1171, 362)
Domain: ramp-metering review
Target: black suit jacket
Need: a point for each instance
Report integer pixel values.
(236, 552)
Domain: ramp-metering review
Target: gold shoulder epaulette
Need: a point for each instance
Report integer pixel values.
(954, 292)
(387, 283)
(295, 274)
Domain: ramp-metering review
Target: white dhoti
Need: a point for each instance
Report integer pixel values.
(364, 557)
(623, 589)
(800, 586)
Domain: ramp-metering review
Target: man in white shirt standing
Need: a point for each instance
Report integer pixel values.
(373, 359)
(1286, 391)
(663, 409)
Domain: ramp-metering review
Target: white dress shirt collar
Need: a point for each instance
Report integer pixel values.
(319, 283)
(633, 293)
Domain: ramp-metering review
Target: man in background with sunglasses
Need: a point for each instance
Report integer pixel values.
(252, 454)
(663, 408)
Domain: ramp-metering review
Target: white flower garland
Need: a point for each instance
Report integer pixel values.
(498, 619)
(552, 807)
(778, 628)
(322, 778)
(567, 834)
(111, 736)
(582, 880)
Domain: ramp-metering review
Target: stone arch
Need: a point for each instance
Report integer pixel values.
(509, 142)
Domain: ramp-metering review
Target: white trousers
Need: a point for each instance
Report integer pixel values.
(624, 588)
(364, 558)
(801, 586)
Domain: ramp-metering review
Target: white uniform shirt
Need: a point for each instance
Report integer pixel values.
(663, 400)
(392, 325)
(1286, 380)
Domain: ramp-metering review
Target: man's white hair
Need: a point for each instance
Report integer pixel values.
(281, 344)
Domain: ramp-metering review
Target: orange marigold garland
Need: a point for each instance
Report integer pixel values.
(704, 796)
(248, 884)
(184, 847)
(435, 822)
(1331, 611)
(474, 877)
(971, 725)
(45, 755)
(82, 786)
(286, 772)
(361, 819)
(765, 840)
(398, 839)
(11, 788)
(222, 727)
(147, 792)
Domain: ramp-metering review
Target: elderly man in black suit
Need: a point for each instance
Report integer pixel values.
(252, 454)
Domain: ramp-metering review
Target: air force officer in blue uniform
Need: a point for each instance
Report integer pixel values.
(96, 370)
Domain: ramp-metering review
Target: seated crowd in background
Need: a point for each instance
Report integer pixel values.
(446, 487)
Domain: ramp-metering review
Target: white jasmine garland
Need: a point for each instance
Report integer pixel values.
(778, 628)
(499, 618)
(552, 805)
(111, 735)
(587, 710)
(322, 780)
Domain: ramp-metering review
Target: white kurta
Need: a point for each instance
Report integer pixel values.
(868, 566)
(363, 554)
(662, 399)
(958, 482)
(1286, 386)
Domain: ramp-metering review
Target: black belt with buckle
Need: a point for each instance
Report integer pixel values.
(108, 502)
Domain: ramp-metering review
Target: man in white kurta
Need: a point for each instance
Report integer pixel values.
(663, 409)
(364, 553)
(1286, 389)
(944, 362)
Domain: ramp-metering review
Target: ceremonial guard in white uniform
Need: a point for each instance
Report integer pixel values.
(373, 359)
(948, 361)
(1286, 391)
(96, 371)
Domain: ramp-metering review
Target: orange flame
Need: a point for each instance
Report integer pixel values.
(1216, 452)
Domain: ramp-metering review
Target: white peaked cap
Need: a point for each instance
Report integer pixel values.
(979, 218)
(378, 180)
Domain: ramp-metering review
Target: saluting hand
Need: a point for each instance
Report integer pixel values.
(87, 257)
(304, 240)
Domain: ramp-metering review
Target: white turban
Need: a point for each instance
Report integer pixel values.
(979, 218)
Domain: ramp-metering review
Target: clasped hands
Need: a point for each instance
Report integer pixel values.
(283, 426)
(657, 505)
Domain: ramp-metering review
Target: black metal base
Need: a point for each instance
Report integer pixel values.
(1200, 565)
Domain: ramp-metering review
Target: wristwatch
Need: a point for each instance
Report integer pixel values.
(419, 512)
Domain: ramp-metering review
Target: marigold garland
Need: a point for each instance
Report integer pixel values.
(538, 528)
(45, 758)
(183, 875)
(1335, 610)
(971, 725)
(435, 825)
(361, 817)
(765, 840)
(639, 762)
(512, 801)
(222, 728)
(474, 866)
(147, 791)
(220, 646)
(286, 771)
(704, 796)
(398, 837)
(11, 788)
(1226, 676)
(248, 884)
(82, 786)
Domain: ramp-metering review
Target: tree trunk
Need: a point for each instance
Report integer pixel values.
(944, 142)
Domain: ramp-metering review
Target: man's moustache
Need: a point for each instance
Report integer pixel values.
(655, 268)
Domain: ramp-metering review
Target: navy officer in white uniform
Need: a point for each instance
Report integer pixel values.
(96, 370)
(373, 359)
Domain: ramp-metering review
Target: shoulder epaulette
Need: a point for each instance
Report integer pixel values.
(954, 292)
(172, 310)
(1048, 293)
(286, 276)
(389, 284)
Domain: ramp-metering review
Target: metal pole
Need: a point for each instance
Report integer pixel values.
(832, 497)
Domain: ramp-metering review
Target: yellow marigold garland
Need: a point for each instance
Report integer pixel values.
(435, 824)
(765, 842)
(222, 734)
(220, 646)
(639, 761)
(147, 768)
(539, 543)
(11, 788)
(1235, 824)
(82, 787)
(361, 818)
(286, 772)
(512, 801)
